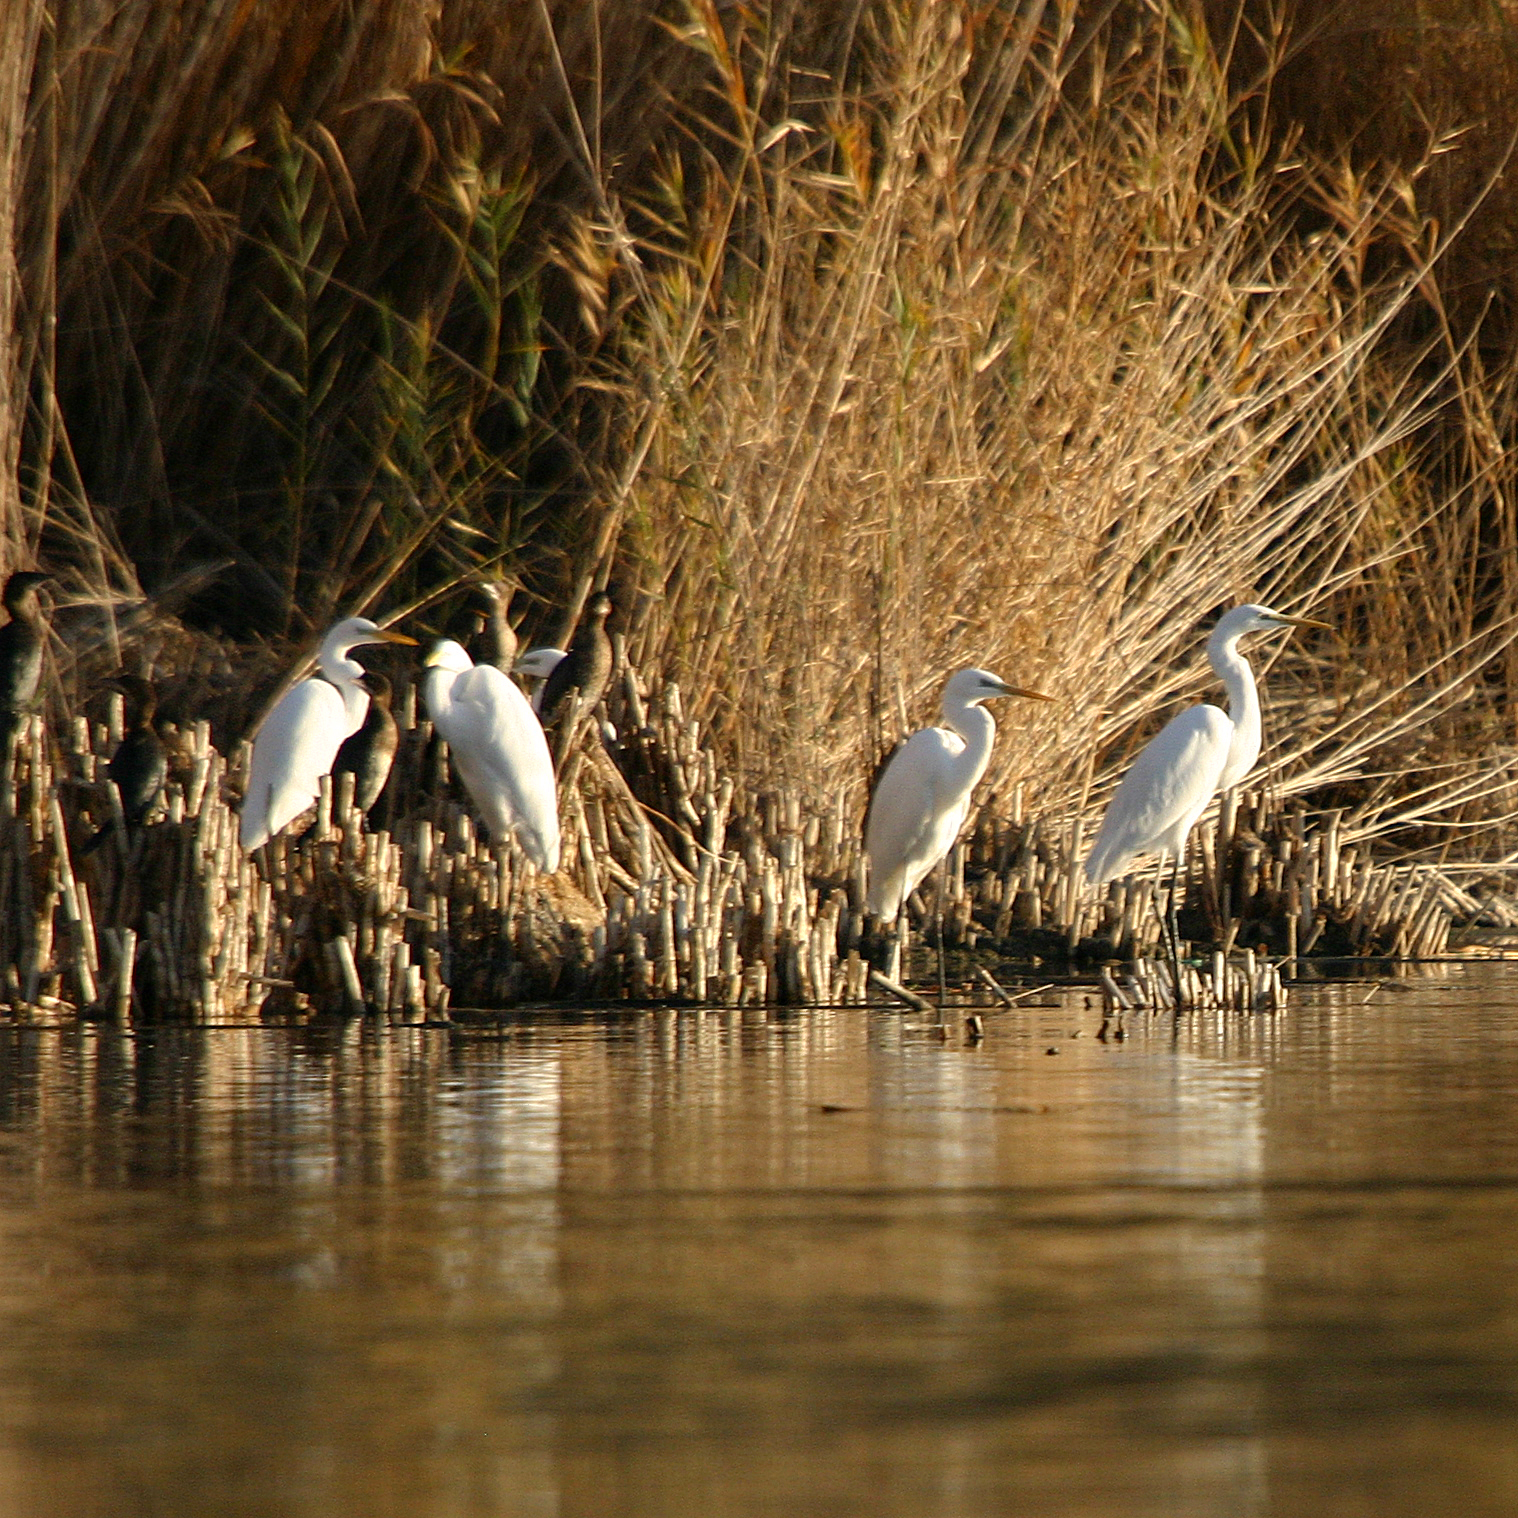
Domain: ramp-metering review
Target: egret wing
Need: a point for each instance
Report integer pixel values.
(1165, 791)
(503, 760)
(907, 821)
(293, 749)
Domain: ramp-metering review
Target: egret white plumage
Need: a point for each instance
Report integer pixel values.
(923, 795)
(498, 749)
(297, 742)
(1198, 754)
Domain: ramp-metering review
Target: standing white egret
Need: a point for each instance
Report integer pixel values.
(498, 749)
(923, 795)
(1197, 754)
(297, 742)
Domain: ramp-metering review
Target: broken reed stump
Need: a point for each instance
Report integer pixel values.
(674, 887)
(1243, 983)
(172, 921)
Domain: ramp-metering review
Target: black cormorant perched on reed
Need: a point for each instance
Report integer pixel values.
(22, 640)
(497, 641)
(140, 765)
(369, 753)
(586, 666)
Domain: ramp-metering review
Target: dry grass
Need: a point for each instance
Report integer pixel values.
(1018, 355)
(852, 344)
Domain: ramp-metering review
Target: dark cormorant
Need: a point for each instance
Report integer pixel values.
(497, 641)
(369, 753)
(139, 766)
(22, 640)
(587, 665)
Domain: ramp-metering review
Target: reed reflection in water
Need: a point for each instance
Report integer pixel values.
(703, 1263)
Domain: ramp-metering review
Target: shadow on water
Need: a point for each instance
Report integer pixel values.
(702, 1263)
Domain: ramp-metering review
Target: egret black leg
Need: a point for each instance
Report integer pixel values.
(943, 982)
(1170, 935)
(893, 959)
(1175, 932)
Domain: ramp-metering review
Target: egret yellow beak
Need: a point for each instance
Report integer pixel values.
(393, 637)
(1019, 690)
(1307, 622)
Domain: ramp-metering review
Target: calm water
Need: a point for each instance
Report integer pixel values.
(1261, 1266)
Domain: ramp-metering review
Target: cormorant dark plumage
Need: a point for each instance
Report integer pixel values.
(139, 766)
(586, 666)
(369, 753)
(498, 640)
(22, 640)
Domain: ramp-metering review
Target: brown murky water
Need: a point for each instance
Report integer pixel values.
(1258, 1266)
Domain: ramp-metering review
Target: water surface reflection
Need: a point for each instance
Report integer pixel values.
(702, 1264)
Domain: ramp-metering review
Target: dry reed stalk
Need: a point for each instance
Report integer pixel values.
(933, 359)
(897, 359)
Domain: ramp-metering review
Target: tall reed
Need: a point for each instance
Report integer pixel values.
(849, 344)
(1017, 353)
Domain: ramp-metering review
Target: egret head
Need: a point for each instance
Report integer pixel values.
(353, 631)
(21, 588)
(496, 594)
(1252, 618)
(972, 686)
(448, 656)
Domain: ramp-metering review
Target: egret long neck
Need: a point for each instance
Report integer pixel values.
(437, 692)
(1243, 709)
(974, 725)
(334, 663)
(345, 673)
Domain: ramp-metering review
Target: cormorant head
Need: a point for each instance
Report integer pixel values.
(20, 593)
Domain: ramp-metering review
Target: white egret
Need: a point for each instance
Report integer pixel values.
(536, 665)
(297, 742)
(1197, 754)
(923, 795)
(498, 749)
